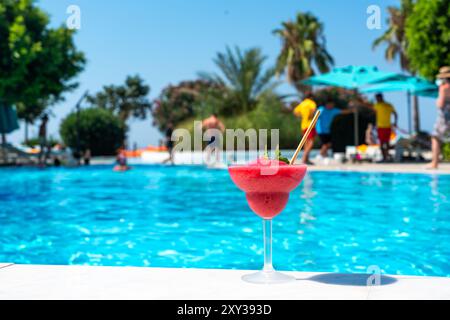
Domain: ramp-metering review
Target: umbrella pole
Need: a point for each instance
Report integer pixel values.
(408, 93)
(356, 119)
(416, 115)
(5, 156)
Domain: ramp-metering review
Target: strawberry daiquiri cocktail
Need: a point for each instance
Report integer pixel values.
(267, 184)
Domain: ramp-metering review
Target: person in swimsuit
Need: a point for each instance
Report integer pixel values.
(121, 161)
(43, 155)
(441, 131)
(212, 143)
(169, 143)
(87, 157)
(212, 123)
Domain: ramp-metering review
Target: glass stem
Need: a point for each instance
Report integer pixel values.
(267, 230)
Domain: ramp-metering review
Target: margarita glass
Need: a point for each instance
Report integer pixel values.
(267, 184)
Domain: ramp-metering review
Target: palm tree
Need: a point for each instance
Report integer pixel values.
(126, 101)
(303, 49)
(243, 75)
(394, 38)
(30, 112)
(396, 44)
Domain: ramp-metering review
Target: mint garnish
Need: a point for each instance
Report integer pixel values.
(279, 157)
(284, 159)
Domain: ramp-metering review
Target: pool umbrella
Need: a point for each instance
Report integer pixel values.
(427, 93)
(352, 77)
(411, 85)
(8, 120)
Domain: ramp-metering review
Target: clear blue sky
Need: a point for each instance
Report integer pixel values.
(166, 41)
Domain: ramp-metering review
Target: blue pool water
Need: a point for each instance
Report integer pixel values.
(194, 217)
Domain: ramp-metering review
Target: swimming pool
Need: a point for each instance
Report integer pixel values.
(165, 216)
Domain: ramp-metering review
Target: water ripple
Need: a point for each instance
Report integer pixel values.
(192, 217)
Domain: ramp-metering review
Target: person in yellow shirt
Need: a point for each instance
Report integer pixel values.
(384, 112)
(305, 110)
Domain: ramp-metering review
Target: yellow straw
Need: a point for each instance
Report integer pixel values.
(305, 137)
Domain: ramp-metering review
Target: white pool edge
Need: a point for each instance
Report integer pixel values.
(90, 282)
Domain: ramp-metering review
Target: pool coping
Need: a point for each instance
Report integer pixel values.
(382, 168)
(407, 168)
(92, 282)
(411, 167)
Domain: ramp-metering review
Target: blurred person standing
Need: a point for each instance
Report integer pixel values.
(328, 113)
(43, 140)
(441, 131)
(169, 143)
(305, 110)
(212, 122)
(384, 111)
(212, 140)
(87, 157)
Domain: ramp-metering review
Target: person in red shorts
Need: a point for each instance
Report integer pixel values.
(384, 112)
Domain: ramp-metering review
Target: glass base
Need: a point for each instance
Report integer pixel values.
(267, 277)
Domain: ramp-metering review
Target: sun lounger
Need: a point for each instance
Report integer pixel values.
(10, 155)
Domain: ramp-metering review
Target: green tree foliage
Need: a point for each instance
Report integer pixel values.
(243, 76)
(99, 130)
(303, 50)
(341, 97)
(187, 99)
(269, 113)
(428, 34)
(36, 141)
(37, 63)
(31, 112)
(124, 101)
(396, 43)
(446, 151)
